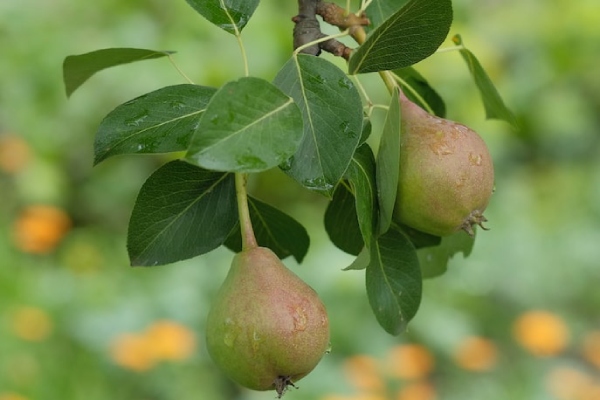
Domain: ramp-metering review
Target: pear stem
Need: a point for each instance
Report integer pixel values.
(248, 238)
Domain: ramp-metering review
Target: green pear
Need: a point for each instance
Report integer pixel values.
(266, 328)
(446, 174)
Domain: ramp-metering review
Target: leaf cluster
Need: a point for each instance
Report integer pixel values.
(310, 122)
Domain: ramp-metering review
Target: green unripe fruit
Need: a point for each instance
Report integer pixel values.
(446, 174)
(266, 328)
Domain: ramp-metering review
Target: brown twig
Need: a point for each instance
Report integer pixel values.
(307, 27)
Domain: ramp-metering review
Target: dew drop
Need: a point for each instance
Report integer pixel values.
(475, 159)
(137, 119)
(317, 79)
(250, 162)
(177, 105)
(287, 164)
(345, 83)
(230, 335)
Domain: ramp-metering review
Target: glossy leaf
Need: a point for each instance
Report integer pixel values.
(380, 10)
(79, 68)
(158, 122)
(362, 261)
(393, 280)
(181, 211)
(341, 223)
(229, 15)
(248, 126)
(411, 34)
(332, 113)
(388, 163)
(273, 229)
(427, 94)
(434, 260)
(361, 174)
(492, 102)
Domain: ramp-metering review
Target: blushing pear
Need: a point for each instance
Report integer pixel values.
(266, 328)
(446, 174)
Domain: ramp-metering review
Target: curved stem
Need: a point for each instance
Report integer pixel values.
(246, 229)
(248, 238)
(172, 61)
(388, 79)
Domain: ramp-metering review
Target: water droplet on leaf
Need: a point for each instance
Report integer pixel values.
(138, 119)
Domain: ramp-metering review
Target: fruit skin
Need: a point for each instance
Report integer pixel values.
(446, 174)
(266, 328)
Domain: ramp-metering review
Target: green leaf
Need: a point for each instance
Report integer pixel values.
(492, 102)
(434, 260)
(366, 130)
(341, 223)
(229, 15)
(427, 94)
(273, 229)
(181, 211)
(380, 10)
(79, 68)
(411, 34)
(249, 126)
(158, 122)
(419, 239)
(362, 261)
(332, 113)
(361, 174)
(393, 280)
(388, 163)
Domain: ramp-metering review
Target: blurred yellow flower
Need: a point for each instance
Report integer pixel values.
(363, 373)
(476, 354)
(542, 333)
(133, 352)
(170, 340)
(410, 361)
(31, 323)
(417, 391)
(39, 228)
(162, 341)
(12, 396)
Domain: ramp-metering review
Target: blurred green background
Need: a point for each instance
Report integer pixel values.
(518, 319)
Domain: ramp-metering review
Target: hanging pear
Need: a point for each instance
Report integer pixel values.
(266, 328)
(446, 174)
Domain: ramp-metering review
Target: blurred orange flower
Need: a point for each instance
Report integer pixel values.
(170, 340)
(410, 361)
(363, 372)
(542, 333)
(14, 153)
(39, 228)
(476, 354)
(417, 391)
(161, 341)
(591, 348)
(31, 323)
